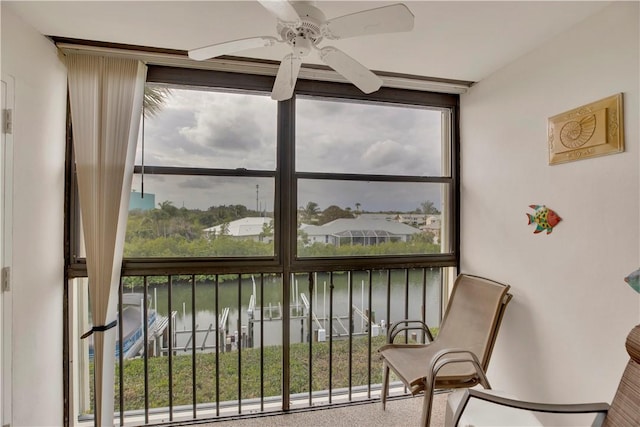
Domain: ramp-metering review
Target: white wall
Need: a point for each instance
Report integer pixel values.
(38, 214)
(563, 335)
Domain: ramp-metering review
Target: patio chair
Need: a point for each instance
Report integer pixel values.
(459, 355)
(624, 410)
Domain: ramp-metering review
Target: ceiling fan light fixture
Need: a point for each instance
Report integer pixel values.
(302, 46)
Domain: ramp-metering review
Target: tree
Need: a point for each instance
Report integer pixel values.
(334, 212)
(224, 229)
(424, 237)
(216, 215)
(429, 208)
(310, 213)
(168, 208)
(154, 99)
(267, 230)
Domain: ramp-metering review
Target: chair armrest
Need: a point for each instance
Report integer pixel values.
(446, 357)
(406, 325)
(600, 409)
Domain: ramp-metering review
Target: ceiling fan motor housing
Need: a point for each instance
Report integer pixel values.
(306, 33)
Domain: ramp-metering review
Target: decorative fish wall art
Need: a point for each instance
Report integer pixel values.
(633, 280)
(544, 218)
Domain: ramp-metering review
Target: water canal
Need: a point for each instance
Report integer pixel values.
(405, 295)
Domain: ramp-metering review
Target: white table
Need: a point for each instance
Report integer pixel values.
(479, 413)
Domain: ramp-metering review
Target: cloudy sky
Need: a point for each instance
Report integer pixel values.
(207, 129)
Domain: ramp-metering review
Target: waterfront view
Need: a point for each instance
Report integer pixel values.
(231, 205)
(246, 305)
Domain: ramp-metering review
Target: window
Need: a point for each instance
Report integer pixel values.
(221, 170)
(335, 136)
(369, 178)
(204, 181)
(366, 178)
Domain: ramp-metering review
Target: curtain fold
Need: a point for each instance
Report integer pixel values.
(106, 96)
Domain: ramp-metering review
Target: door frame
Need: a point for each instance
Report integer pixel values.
(6, 243)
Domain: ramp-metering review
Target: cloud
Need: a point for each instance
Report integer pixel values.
(372, 196)
(334, 136)
(208, 129)
(199, 128)
(383, 153)
(218, 130)
(164, 145)
(202, 192)
(195, 183)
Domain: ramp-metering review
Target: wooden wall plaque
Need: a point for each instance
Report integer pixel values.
(588, 131)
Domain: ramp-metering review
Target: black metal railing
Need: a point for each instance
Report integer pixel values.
(212, 345)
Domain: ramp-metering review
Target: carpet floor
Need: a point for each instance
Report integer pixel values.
(400, 412)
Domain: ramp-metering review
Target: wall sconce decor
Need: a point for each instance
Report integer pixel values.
(592, 130)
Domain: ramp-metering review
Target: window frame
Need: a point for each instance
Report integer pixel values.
(285, 259)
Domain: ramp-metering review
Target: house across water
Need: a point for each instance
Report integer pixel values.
(359, 231)
(250, 228)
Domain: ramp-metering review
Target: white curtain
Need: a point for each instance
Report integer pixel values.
(106, 96)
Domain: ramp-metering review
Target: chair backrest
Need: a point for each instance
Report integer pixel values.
(474, 315)
(625, 407)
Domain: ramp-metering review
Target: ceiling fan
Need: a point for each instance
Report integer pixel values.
(303, 26)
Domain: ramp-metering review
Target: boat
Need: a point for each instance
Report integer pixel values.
(132, 326)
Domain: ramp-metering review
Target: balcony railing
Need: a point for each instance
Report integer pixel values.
(212, 346)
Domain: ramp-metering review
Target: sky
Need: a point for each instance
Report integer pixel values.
(208, 129)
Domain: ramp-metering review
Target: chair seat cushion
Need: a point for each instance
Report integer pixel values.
(410, 362)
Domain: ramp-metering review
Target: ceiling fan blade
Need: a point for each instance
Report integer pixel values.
(286, 77)
(281, 9)
(351, 69)
(387, 19)
(233, 46)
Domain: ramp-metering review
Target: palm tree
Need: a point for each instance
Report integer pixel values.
(154, 99)
(310, 212)
(429, 208)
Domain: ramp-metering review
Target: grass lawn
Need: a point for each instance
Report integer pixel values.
(205, 387)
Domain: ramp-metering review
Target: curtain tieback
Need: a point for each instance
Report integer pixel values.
(100, 329)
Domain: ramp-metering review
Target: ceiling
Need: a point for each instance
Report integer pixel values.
(462, 40)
